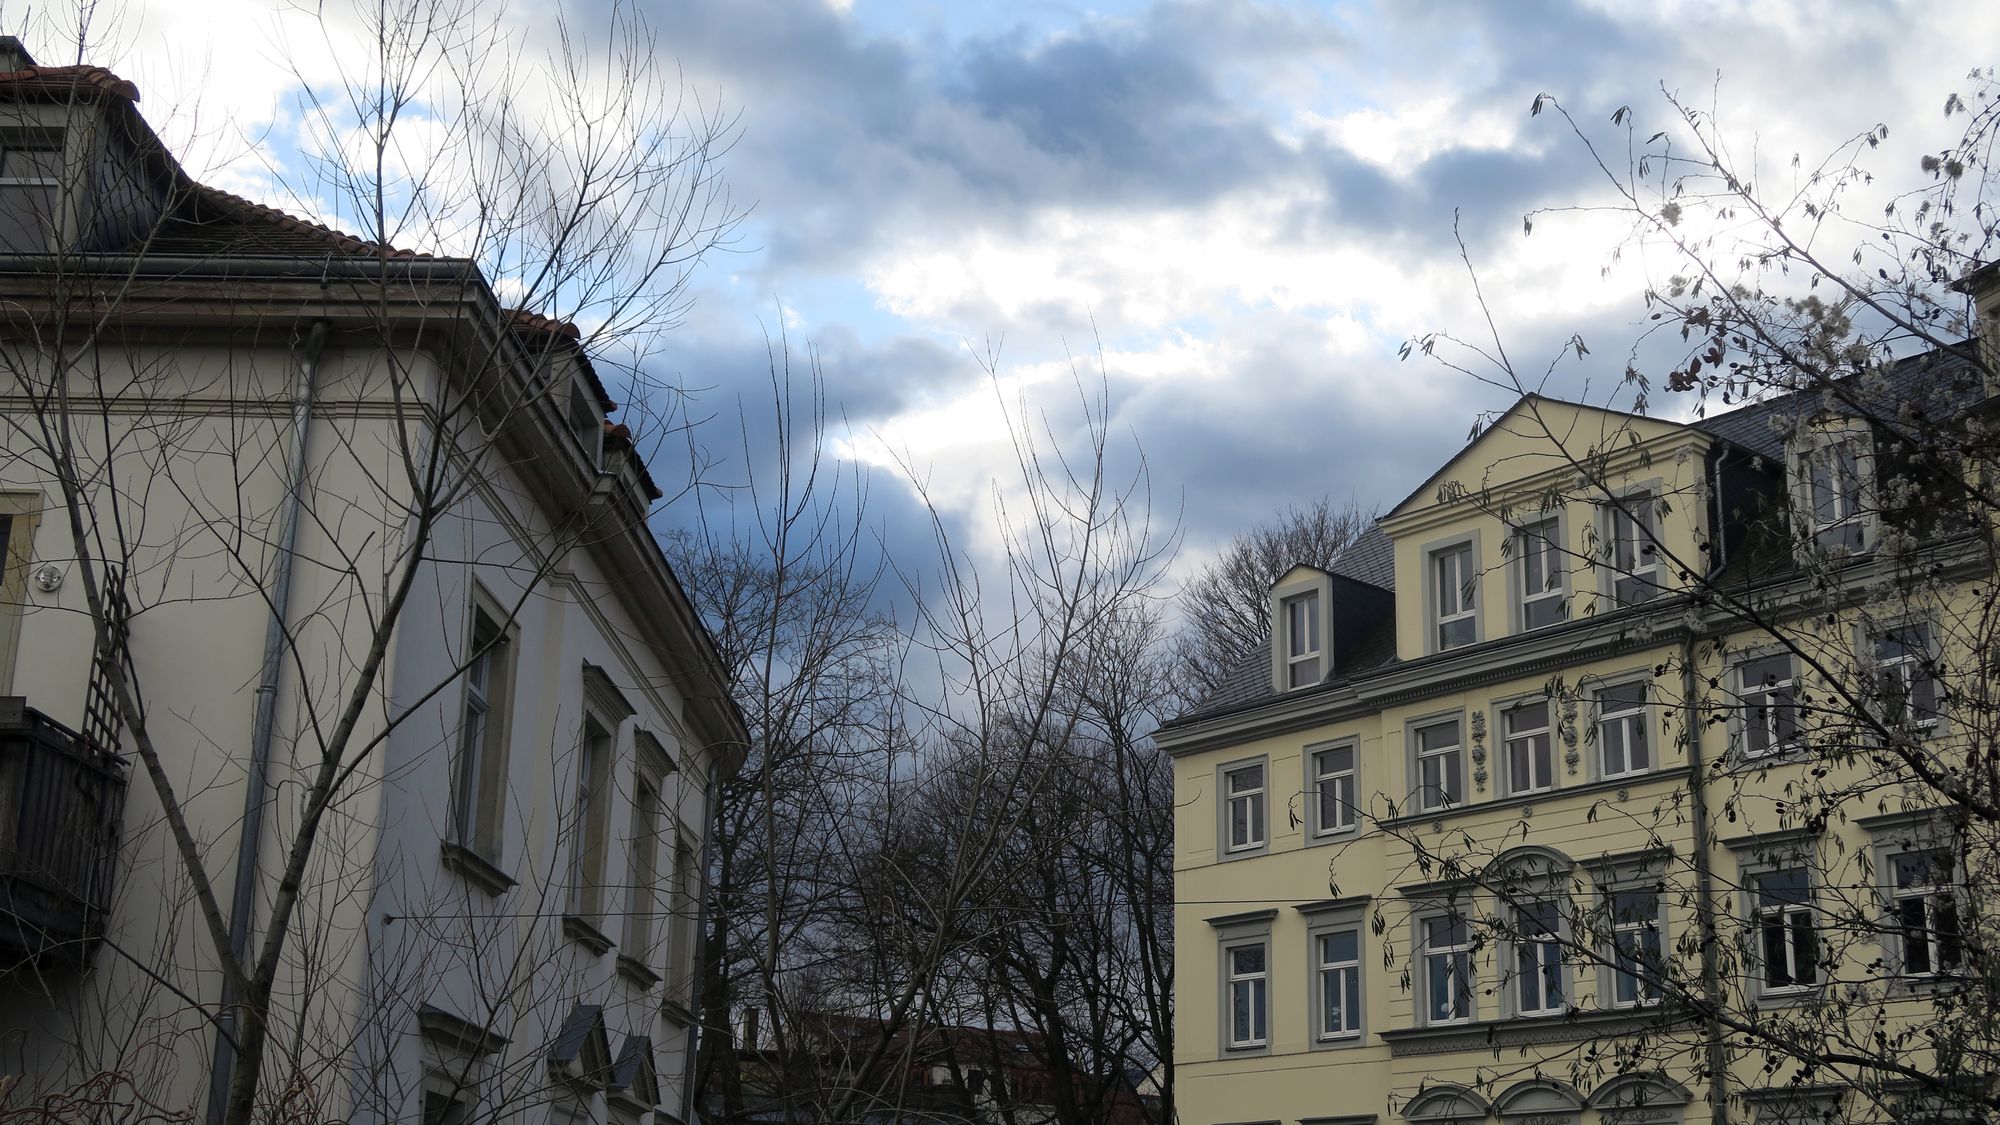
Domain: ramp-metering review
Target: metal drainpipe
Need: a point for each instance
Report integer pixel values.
(242, 904)
(1704, 871)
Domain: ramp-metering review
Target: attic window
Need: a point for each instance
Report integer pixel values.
(1831, 485)
(1302, 640)
(30, 187)
(586, 422)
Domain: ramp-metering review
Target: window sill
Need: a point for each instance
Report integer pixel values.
(1786, 998)
(676, 1012)
(1573, 1026)
(1339, 1042)
(474, 868)
(637, 973)
(1333, 836)
(1605, 785)
(1229, 855)
(582, 932)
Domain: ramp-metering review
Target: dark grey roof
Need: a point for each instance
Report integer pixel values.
(1371, 558)
(1927, 388)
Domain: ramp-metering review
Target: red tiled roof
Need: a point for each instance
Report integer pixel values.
(60, 78)
(534, 321)
(235, 206)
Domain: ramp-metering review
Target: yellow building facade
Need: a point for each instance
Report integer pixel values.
(1590, 785)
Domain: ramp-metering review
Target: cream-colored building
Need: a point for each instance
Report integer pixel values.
(356, 524)
(1564, 798)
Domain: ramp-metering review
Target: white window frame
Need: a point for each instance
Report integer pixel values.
(1460, 593)
(1537, 955)
(1257, 986)
(1345, 970)
(1304, 666)
(1906, 668)
(1755, 711)
(1540, 540)
(595, 753)
(1634, 546)
(1788, 916)
(1630, 720)
(1850, 525)
(1452, 755)
(1255, 800)
(1639, 932)
(1463, 998)
(1514, 741)
(1933, 898)
(1346, 785)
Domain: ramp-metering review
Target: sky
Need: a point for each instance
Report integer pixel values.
(1233, 213)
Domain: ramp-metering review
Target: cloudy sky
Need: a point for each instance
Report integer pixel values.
(1238, 210)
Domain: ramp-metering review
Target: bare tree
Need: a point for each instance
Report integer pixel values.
(1225, 608)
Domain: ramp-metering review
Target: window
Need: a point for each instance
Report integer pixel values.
(1783, 919)
(1243, 812)
(1905, 688)
(1635, 557)
(444, 1108)
(1339, 974)
(642, 869)
(1335, 801)
(31, 166)
(586, 874)
(1769, 699)
(1635, 947)
(1622, 748)
(1302, 644)
(1249, 984)
(1833, 478)
(1530, 753)
(479, 769)
(1539, 563)
(1456, 588)
(1538, 966)
(685, 905)
(1447, 979)
(586, 421)
(1926, 912)
(1440, 766)
(19, 513)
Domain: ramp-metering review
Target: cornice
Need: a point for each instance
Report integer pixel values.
(1492, 1034)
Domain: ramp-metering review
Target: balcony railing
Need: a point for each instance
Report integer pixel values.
(62, 800)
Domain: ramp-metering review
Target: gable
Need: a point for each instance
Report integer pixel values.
(1518, 446)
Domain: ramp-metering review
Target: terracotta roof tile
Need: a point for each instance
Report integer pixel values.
(534, 321)
(56, 79)
(235, 206)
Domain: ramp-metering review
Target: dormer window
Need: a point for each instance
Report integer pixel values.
(1302, 640)
(31, 164)
(1301, 629)
(1635, 549)
(586, 422)
(1832, 479)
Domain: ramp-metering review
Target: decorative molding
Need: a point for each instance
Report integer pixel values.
(581, 931)
(1674, 773)
(474, 868)
(1222, 921)
(1327, 905)
(1479, 774)
(1340, 1119)
(603, 696)
(456, 1033)
(1794, 840)
(637, 973)
(1494, 1034)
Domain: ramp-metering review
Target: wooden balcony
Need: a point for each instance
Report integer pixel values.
(62, 801)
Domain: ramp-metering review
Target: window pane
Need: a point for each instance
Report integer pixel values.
(1439, 736)
(1781, 888)
(1246, 779)
(1910, 917)
(1246, 959)
(1340, 759)
(1342, 946)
